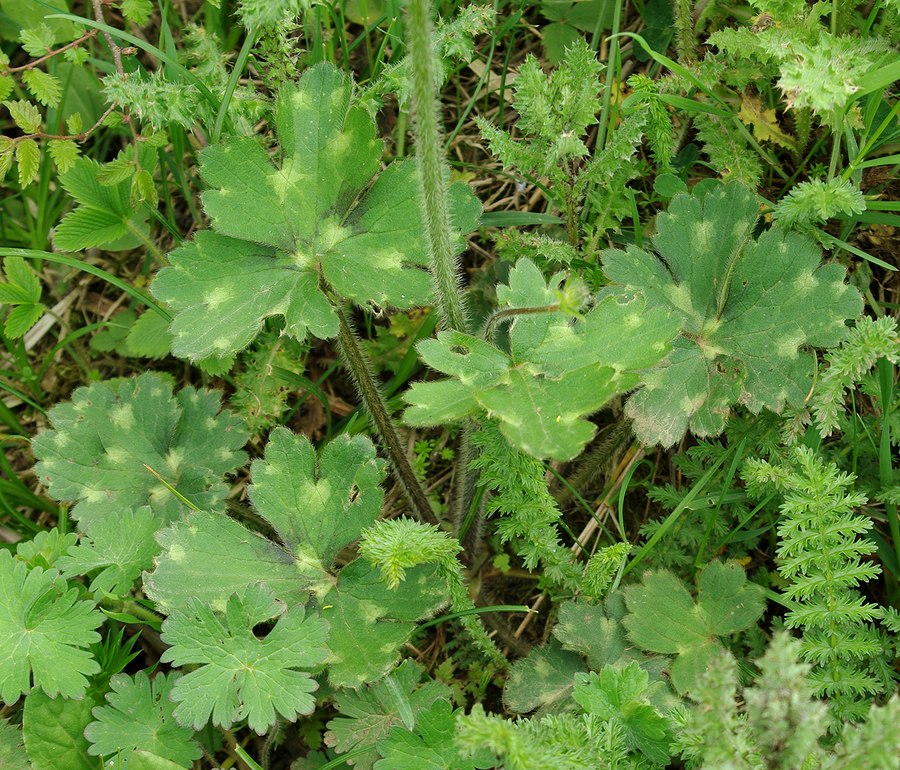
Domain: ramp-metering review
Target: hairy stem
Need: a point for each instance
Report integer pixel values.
(372, 398)
(434, 192)
(684, 31)
(429, 155)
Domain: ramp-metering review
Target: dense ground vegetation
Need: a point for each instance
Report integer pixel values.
(471, 386)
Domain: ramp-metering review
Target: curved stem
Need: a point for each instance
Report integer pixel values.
(372, 398)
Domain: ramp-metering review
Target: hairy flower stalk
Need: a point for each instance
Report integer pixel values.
(377, 409)
(432, 169)
(434, 179)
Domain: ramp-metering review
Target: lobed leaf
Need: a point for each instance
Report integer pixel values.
(316, 507)
(747, 309)
(138, 715)
(369, 713)
(44, 633)
(279, 230)
(239, 674)
(105, 438)
(557, 371)
(120, 548)
(429, 745)
(664, 618)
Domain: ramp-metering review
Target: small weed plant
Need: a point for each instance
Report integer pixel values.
(379, 395)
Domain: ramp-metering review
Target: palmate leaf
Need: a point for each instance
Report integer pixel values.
(139, 715)
(104, 437)
(44, 633)
(747, 309)
(279, 230)
(239, 674)
(316, 508)
(119, 547)
(623, 695)
(558, 370)
(664, 618)
(368, 714)
(429, 745)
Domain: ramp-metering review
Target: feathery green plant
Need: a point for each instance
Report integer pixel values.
(781, 725)
(821, 549)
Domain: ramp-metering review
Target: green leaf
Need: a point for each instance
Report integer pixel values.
(25, 115)
(44, 87)
(28, 156)
(54, 732)
(212, 556)
(368, 714)
(137, 11)
(149, 336)
(12, 748)
(103, 441)
(44, 631)
(116, 171)
(316, 507)
(45, 548)
(370, 622)
(665, 619)
(606, 644)
(64, 153)
(558, 369)
(315, 510)
(622, 696)
(21, 319)
(544, 679)
(22, 290)
(429, 746)
(7, 85)
(119, 547)
(105, 215)
(239, 674)
(747, 308)
(139, 715)
(278, 230)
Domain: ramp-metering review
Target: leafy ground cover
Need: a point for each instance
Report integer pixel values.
(402, 386)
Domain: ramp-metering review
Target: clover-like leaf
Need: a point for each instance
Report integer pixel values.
(279, 230)
(747, 308)
(44, 633)
(239, 674)
(316, 507)
(368, 714)
(104, 440)
(665, 618)
(138, 715)
(120, 548)
(558, 370)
